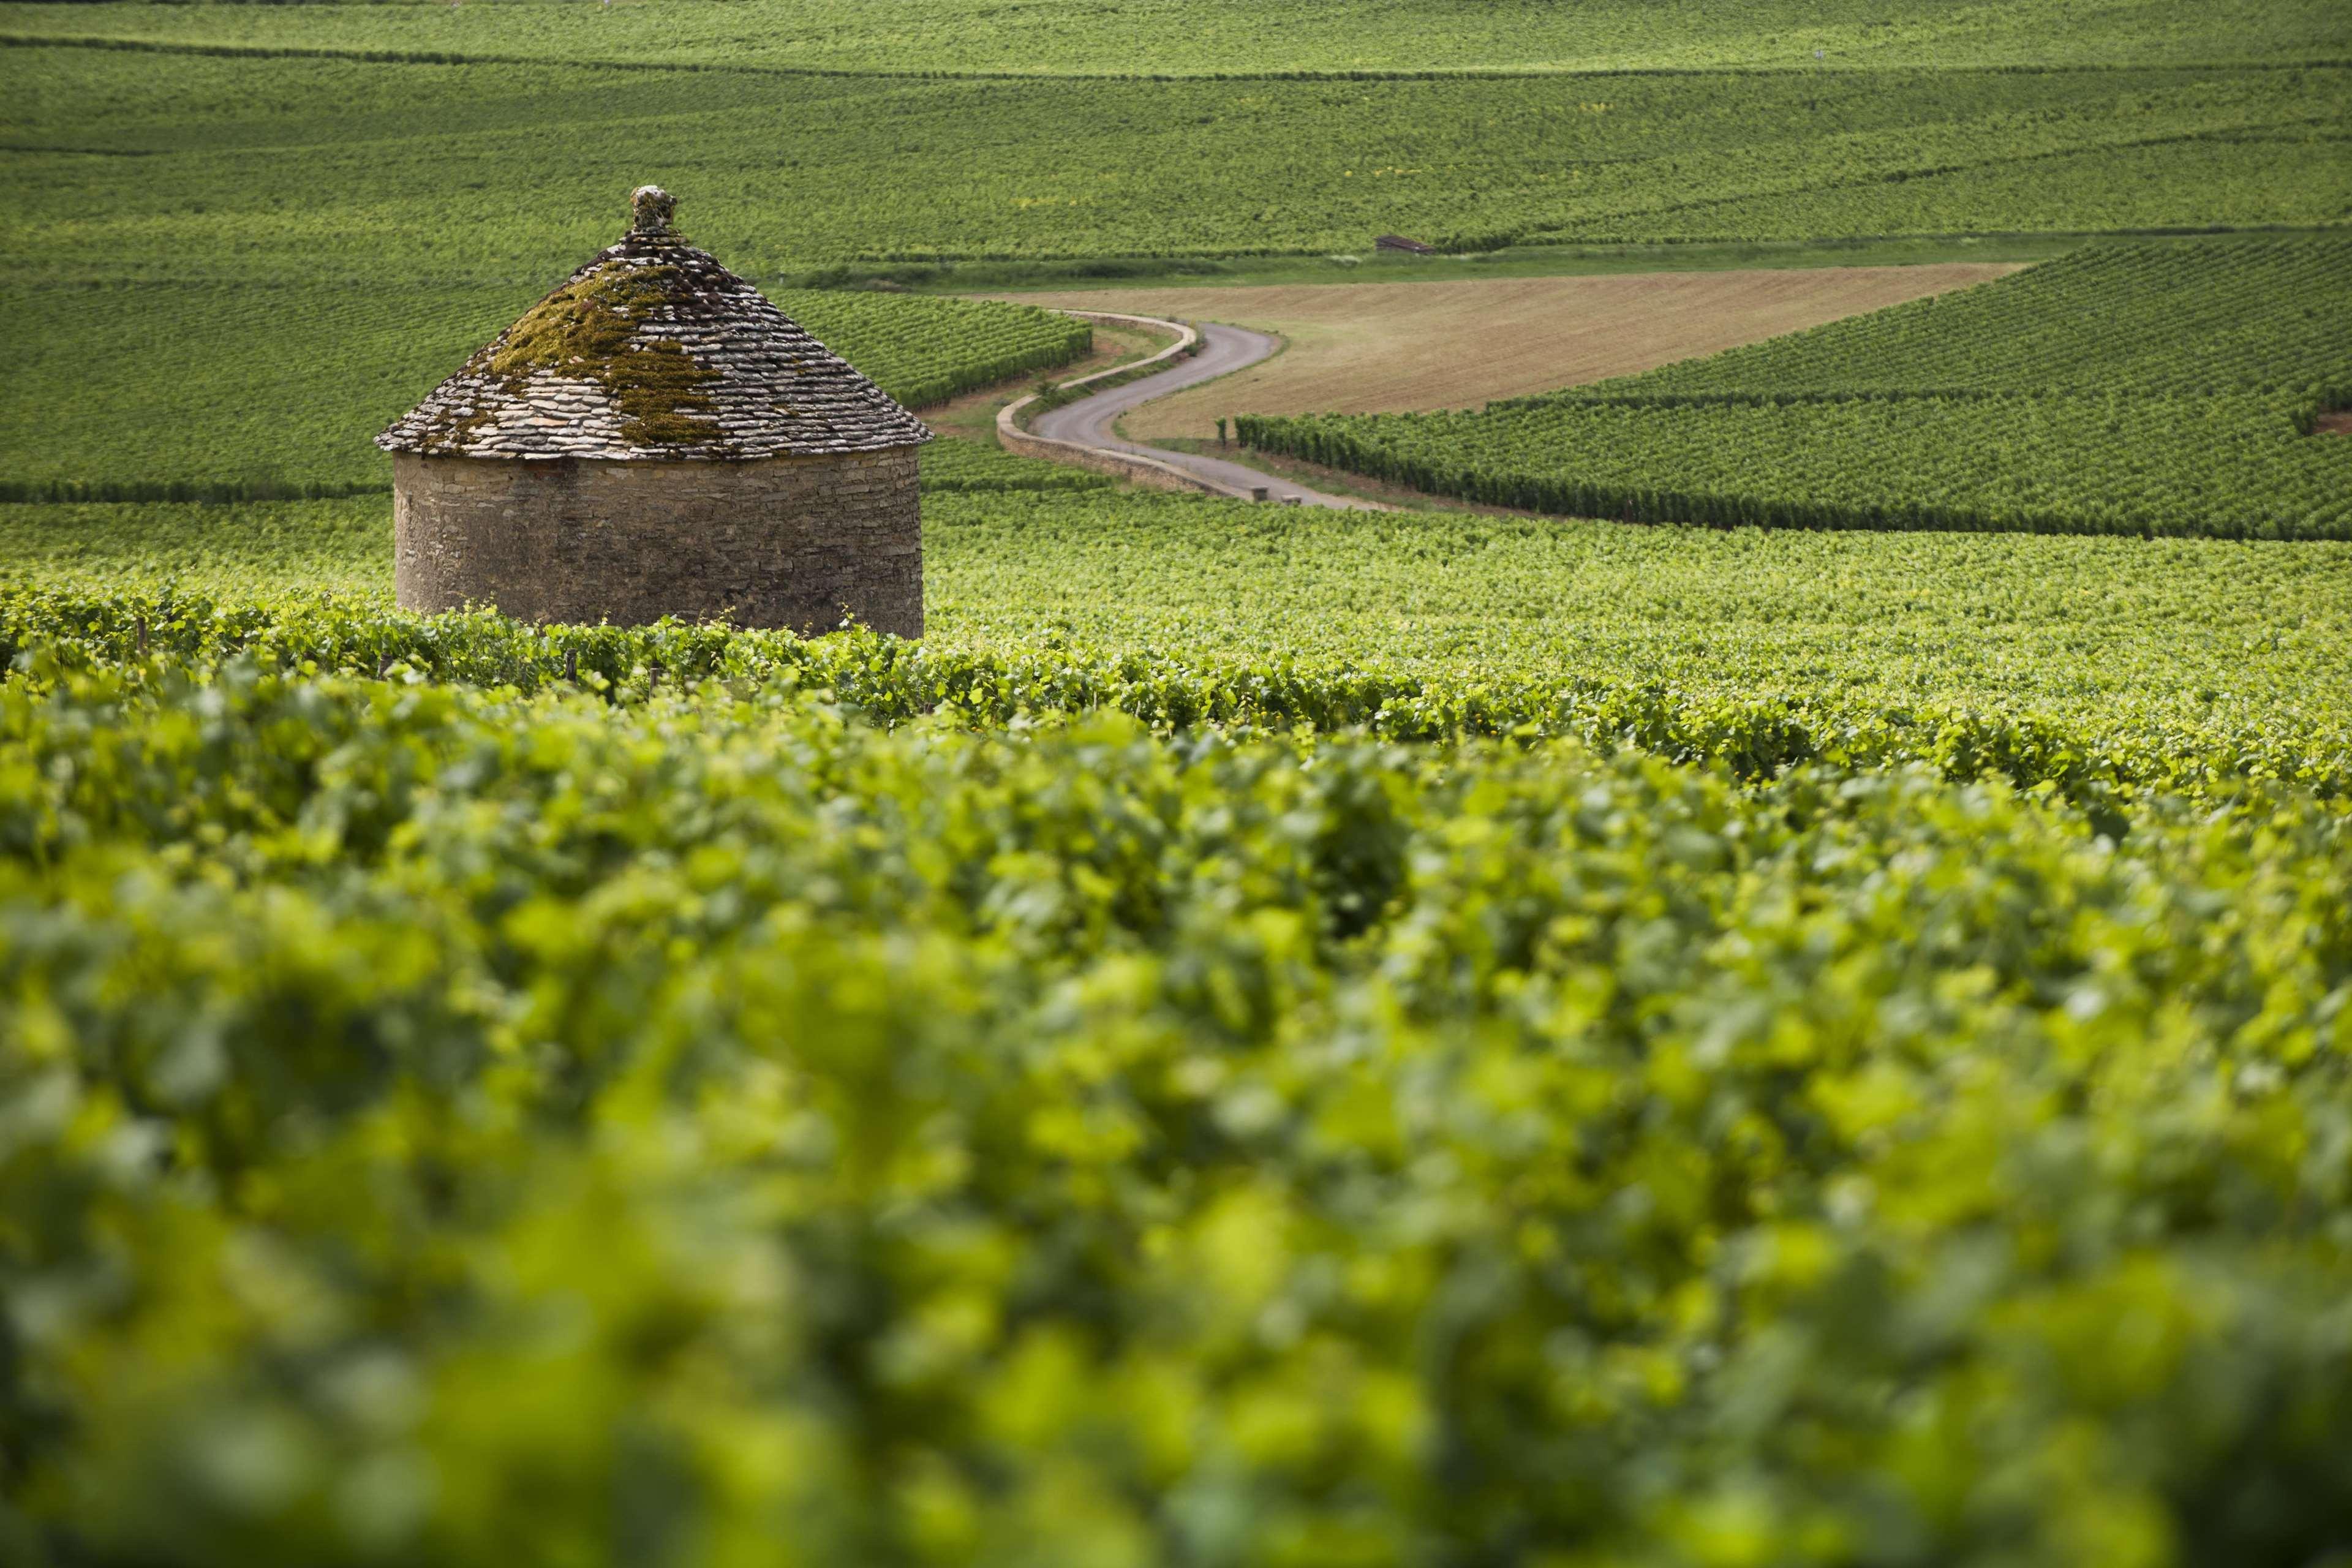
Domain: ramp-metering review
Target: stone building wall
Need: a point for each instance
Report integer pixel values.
(797, 543)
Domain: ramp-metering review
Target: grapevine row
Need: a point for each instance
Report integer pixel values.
(447, 1125)
(2153, 390)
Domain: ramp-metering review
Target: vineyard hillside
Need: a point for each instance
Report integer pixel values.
(225, 265)
(1227, 38)
(133, 165)
(1741, 956)
(1396, 347)
(227, 390)
(2170, 390)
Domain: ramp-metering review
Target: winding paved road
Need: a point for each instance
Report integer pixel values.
(1088, 421)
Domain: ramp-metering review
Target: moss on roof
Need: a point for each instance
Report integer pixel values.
(588, 328)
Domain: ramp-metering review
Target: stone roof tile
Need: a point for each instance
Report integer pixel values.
(653, 352)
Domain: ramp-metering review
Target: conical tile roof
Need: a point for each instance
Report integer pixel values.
(653, 350)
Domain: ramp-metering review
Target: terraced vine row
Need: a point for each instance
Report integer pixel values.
(1417, 622)
(2225, 468)
(1749, 731)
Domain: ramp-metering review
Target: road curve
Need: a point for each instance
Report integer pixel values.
(1088, 421)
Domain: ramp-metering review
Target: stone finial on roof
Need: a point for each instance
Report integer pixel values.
(650, 207)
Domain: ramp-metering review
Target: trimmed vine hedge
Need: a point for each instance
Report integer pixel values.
(891, 681)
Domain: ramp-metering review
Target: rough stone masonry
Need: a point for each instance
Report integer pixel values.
(802, 543)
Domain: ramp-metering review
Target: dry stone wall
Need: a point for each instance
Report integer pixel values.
(797, 543)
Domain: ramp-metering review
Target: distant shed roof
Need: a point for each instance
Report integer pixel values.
(653, 350)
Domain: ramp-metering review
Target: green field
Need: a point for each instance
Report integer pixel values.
(227, 271)
(230, 390)
(2183, 319)
(2153, 390)
(1224, 37)
(137, 165)
(224, 273)
(1270, 1038)
(2181, 660)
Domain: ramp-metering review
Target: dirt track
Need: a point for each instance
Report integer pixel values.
(1396, 347)
(1090, 421)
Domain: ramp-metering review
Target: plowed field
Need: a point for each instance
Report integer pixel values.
(1396, 347)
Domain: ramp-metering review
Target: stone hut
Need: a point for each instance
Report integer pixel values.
(655, 439)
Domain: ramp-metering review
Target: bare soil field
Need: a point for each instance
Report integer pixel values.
(1389, 348)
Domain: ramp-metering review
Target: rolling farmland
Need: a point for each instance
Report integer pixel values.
(497, 170)
(1788, 1001)
(1220, 37)
(1371, 348)
(182, 390)
(227, 267)
(2169, 391)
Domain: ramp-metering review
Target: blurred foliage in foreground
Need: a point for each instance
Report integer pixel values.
(443, 1124)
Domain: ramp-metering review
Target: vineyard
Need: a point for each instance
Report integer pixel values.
(658, 1120)
(2153, 390)
(970, 466)
(2098, 662)
(225, 273)
(2203, 318)
(179, 390)
(179, 167)
(2231, 469)
(1224, 37)
(1270, 1037)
